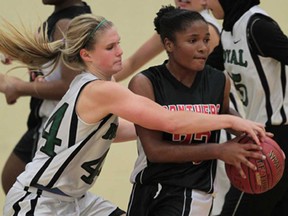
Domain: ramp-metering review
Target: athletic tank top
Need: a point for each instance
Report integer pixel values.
(205, 96)
(260, 81)
(71, 152)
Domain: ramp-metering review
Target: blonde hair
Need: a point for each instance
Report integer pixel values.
(35, 50)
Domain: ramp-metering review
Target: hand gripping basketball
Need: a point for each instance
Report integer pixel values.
(268, 173)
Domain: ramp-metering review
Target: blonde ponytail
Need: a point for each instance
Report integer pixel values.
(30, 48)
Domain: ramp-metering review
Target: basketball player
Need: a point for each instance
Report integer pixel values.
(153, 46)
(174, 173)
(77, 136)
(256, 58)
(47, 93)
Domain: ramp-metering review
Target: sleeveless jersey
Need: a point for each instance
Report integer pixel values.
(260, 81)
(205, 96)
(71, 152)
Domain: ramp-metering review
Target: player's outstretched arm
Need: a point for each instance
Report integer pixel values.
(110, 97)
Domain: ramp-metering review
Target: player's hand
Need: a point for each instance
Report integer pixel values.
(237, 154)
(8, 86)
(253, 129)
(5, 59)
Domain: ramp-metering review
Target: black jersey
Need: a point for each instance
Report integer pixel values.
(205, 96)
(66, 13)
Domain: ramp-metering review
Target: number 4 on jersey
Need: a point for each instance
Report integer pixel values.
(51, 135)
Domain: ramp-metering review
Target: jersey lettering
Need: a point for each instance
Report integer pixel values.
(201, 108)
(111, 133)
(51, 135)
(235, 57)
(241, 88)
(192, 138)
(93, 168)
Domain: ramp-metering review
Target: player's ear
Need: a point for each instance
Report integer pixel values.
(168, 45)
(85, 55)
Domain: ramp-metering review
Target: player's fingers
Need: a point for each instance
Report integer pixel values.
(257, 131)
(268, 134)
(252, 147)
(254, 136)
(10, 101)
(241, 172)
(256, 155)
(261, 130)
(249, 164)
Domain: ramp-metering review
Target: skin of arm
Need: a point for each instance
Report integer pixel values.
(125, 132)
(14, 87)
(214, 37)
(99, 98)
(161, 151)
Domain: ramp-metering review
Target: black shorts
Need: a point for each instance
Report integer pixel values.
(26, 146)
(117, 212)
(270, 203)
(165, 200)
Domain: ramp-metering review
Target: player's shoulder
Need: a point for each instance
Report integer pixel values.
(260, 22)
(211, 69)
(214, 74)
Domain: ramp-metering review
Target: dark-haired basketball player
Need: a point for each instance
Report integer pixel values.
(174, 173)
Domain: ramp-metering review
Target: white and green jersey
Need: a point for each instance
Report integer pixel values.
(258, 80)
(70, 152)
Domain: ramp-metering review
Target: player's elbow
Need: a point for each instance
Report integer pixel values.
(173, 126)
(156, 157)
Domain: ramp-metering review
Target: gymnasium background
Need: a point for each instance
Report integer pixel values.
(134, 20)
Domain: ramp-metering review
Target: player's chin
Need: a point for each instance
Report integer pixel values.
(117, 69)
(200, 65)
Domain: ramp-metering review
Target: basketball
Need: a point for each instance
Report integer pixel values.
(268, 173)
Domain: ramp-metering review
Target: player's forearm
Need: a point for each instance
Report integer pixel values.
(52, 90)
(183, 153)
(197, 122)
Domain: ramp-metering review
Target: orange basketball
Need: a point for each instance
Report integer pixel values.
(268, 173)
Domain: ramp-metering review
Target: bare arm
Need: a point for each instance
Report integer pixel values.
(232, 152)
(214, 37)
(150, 49)
(125, 132)
(99, 98)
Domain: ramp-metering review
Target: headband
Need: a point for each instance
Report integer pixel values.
(93, 31)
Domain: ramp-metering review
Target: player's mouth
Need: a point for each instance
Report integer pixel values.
(201, 58)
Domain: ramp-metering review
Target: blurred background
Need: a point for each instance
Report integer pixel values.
(134, 20)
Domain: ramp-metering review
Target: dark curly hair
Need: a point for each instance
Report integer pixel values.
(170, 20)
